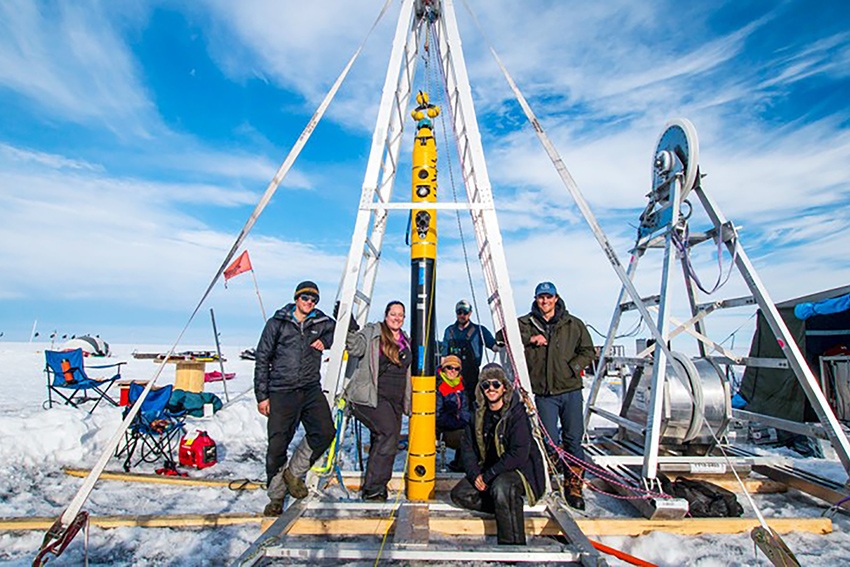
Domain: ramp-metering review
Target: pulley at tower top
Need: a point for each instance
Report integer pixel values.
(431, 8)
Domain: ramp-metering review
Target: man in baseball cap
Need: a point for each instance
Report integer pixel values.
(557, 349)
(467, 340)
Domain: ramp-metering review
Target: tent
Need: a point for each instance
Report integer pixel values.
(821, 326)
(92, 346)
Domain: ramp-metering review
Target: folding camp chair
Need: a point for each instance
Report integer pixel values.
(66, 377)
(154, 432)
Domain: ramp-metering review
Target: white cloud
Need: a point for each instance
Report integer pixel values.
(70, 59)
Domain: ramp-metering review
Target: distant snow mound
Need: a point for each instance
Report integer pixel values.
(92, 346)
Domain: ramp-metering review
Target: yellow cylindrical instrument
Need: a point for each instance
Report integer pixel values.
(422, 434)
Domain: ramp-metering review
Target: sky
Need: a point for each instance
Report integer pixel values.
(136, 139)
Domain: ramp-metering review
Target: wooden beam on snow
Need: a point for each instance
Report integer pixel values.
(144, 521)
(443, 482)
(234, 484)
(444, 526)
(753, 485)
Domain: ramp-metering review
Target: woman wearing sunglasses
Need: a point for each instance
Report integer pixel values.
(379, 392)
(452, 407)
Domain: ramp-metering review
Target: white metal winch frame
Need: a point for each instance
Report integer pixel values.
(676, 176)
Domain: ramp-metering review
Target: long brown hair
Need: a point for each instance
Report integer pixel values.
(389, 346)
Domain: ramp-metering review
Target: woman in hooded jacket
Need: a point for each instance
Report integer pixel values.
(452, 413)
(379, 392)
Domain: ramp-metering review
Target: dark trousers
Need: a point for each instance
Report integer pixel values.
(566, 408)
(307, 406)
(503, 498)
(470, 383)
(384, 423)
(452, 438)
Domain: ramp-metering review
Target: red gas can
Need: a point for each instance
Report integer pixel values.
(197, 449)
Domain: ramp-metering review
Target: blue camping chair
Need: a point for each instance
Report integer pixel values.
(154, 431)
(66, 377)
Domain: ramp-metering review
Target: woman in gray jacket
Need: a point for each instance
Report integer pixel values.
(379, 392)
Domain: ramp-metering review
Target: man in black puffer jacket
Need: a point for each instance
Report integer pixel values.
(502, 461)
(288, 386)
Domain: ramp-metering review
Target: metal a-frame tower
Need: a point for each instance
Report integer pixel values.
(361, 267)
(410, 540)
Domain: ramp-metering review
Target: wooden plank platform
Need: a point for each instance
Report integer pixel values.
(444, 526)
(444, 482)
(412, 524)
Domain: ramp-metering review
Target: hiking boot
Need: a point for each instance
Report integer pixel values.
(296, 486)
(575, 502)
(273, 508)
(375, 495)
(573, 487)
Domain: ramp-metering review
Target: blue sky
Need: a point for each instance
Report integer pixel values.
(136, 137)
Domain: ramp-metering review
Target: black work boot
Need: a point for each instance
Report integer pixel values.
(376, 495)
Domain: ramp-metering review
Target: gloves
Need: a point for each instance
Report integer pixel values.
(353, 327)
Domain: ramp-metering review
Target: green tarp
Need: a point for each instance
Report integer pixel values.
(775, 391)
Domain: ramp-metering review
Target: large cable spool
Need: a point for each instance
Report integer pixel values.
(691, 409)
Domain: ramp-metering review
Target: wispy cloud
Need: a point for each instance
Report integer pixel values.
(70, 59)
(829, 56)
(52, 161)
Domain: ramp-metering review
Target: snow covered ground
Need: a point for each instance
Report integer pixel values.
(37, 443)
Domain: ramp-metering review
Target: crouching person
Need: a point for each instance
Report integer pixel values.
(500, 459)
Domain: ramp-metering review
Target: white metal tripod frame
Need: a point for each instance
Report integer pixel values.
(652, 439)
(792, 353)
(364, 255)
(796, 360)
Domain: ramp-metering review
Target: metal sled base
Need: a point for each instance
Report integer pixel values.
(623, 459)
(405, 531)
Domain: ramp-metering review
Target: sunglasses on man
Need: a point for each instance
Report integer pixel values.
(490, 385)
(462, 312)
(308, 298)
(454, 368)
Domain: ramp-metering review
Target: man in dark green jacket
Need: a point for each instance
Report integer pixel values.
(557, 349)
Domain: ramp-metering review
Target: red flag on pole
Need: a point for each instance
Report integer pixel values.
(239, 265)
